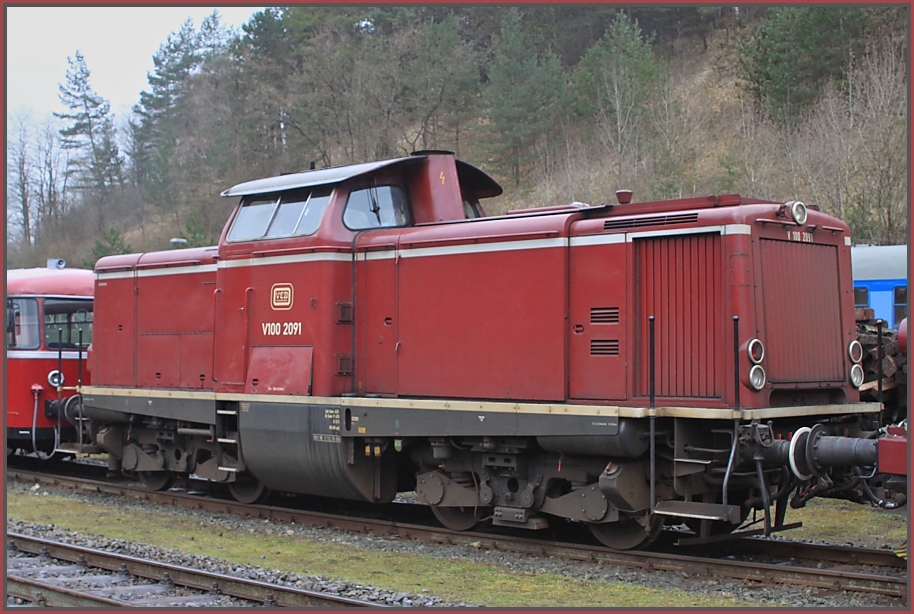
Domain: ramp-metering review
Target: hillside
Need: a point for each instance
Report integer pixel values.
(560, 104)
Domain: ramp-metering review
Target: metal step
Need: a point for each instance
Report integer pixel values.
(695, 509)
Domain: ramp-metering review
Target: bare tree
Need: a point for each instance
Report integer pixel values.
(20, 181)
(852, 153)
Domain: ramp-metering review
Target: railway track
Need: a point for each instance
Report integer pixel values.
(825, 568)
(53, 574)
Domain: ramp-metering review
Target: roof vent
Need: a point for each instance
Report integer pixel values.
(56, 263)
(624, 196)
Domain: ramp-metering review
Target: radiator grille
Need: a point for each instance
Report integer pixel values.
(802, 312)
(677, 280)
(604, 347)
(604, 315)
(653, 220)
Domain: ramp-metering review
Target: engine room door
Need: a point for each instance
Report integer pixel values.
(598, 318)
(376, 326)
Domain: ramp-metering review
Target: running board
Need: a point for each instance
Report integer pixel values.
(701, 511)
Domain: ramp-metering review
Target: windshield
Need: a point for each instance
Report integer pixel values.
(22, 329)
(67, 324)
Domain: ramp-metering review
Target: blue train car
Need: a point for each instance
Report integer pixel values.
(881, 280)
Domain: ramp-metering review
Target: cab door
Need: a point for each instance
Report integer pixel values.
(377, 326)
(234, 302)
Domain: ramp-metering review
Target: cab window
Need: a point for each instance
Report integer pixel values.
(299, 213)
(471, 210)
(293, 213)
(22, 324)
(252, 220)
(67, 324)
(376, 207)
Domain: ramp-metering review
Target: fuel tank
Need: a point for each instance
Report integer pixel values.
(297, 448)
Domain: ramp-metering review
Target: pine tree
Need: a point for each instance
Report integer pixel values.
(95, 163)
(616, 82)
(91, 137)
(154, 130)
(522, 97)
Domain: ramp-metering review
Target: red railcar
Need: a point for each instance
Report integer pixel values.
(48, 328)
(365, 329)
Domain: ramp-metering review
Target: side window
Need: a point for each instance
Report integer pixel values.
(64, 321)
(471, 210)
(901, 303)
(294, 213)
(252, 220)
(376, 207)
(23, 330)
(314, 211)
(861, 297)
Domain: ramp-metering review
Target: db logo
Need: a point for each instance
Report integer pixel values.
(281, 297)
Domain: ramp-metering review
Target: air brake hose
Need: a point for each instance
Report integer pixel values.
(36, 392)
(887, 505)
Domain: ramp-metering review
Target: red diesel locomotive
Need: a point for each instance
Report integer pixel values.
(364, 330)
(48, 328)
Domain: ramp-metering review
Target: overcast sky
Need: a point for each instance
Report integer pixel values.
(117, 43)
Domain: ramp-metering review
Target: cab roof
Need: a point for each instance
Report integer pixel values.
(470, 176)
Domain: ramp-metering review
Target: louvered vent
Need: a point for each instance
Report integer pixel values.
(604, 347)
(678, 281)
(654, 220)
(604, 315)
(804, 343)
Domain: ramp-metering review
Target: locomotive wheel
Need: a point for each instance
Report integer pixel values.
(156, 480)
(458, 518)
(248, 489)
(627, 533)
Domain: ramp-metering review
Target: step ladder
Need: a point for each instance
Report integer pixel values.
(228, 446)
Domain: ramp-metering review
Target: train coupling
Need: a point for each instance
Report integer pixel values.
(810, 452)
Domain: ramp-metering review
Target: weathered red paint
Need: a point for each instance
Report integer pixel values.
(893, 452)
(539, 306)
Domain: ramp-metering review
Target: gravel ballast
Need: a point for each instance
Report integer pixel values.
(760, 595)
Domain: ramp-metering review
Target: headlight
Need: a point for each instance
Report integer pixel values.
(756, 351)
(857, 376)
(757, 377)
(55, 378)
(855, 351)
(797, 212)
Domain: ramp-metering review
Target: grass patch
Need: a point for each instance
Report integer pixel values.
(839, 521)
(271, 547)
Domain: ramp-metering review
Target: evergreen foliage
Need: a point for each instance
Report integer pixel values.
(111, 243)
(94, 161)
(522, 96)
(572, 101)
(795, 52)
